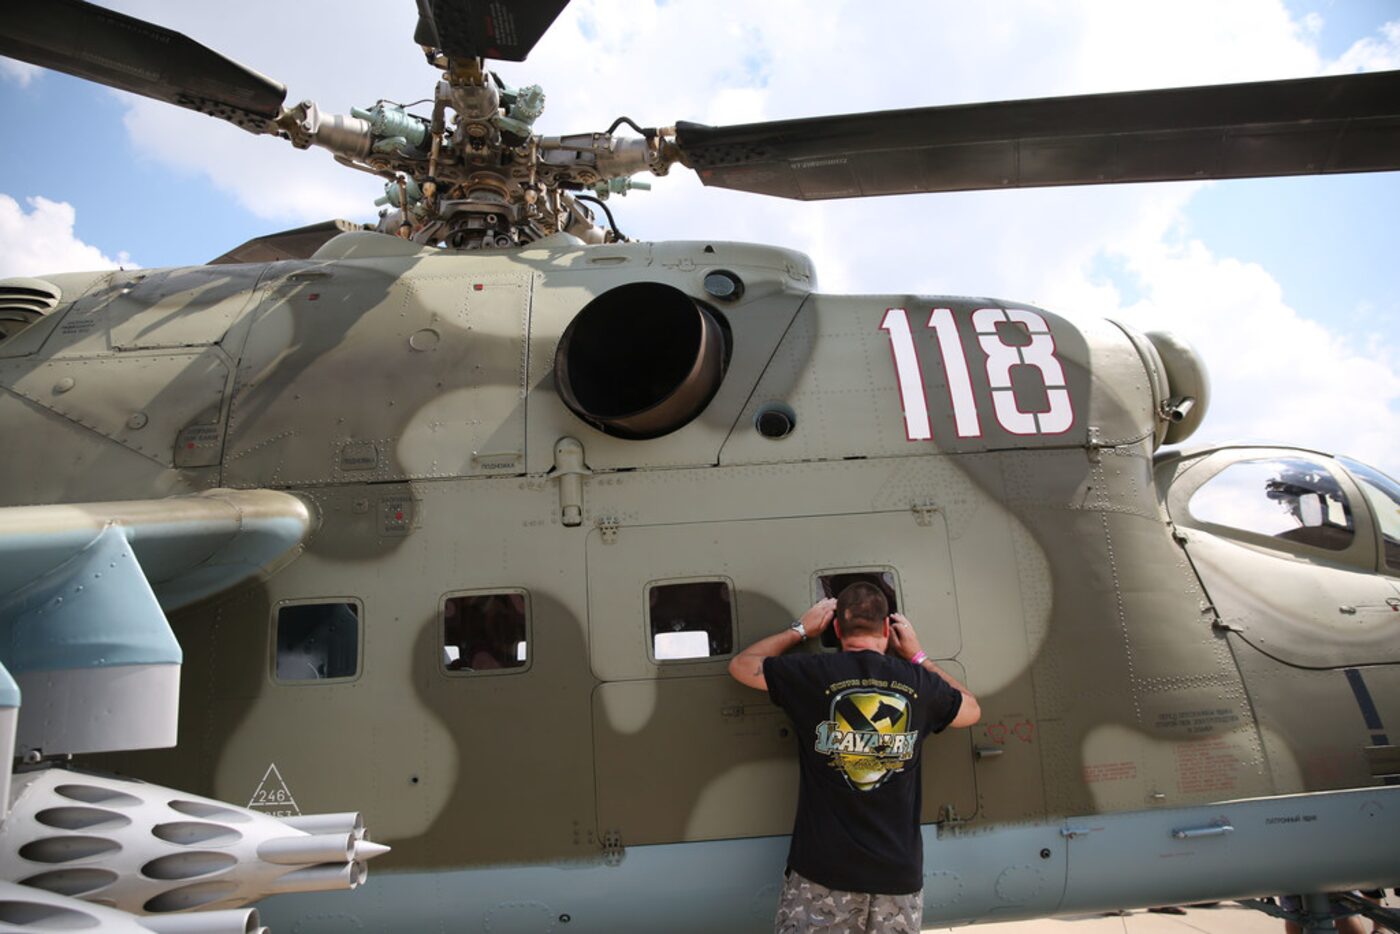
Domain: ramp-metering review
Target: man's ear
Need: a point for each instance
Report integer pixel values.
(836, 627)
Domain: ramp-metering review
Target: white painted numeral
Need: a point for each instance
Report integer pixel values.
(911, 380)
(955, 368)
(1039, 352)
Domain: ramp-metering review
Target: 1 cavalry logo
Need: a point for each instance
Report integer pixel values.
(867, 736)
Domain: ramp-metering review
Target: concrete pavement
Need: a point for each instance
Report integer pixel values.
(1225, 918)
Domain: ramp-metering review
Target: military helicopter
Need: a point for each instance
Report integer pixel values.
(457, 522)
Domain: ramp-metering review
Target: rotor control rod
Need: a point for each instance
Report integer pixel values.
(593, 156)
(343, 135)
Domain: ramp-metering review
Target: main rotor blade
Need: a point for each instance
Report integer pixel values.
(1347, 123)
(505, 30)
(123, 52)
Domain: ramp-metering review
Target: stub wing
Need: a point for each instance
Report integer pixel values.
(83, 593)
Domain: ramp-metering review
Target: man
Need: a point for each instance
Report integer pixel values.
(856, 860)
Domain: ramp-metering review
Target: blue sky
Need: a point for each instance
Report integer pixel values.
(1287, 286)
(1347, 222)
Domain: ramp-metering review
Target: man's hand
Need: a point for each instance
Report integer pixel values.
(747, 666)
(906, 643)
(818, 617)
(903, 637)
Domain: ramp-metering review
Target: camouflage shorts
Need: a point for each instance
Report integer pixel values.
(807, 906)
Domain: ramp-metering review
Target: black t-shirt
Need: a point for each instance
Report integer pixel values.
(861, 718)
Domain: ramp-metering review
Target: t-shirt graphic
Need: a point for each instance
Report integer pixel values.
(867, 736)
(859, 720)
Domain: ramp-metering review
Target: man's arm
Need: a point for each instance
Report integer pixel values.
(906, 643)
(747, 666)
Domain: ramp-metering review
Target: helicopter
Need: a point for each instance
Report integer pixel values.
(402, 483)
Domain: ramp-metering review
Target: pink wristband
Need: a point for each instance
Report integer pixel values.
(919, 658)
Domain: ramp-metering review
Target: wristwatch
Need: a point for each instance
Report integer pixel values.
(801, 630)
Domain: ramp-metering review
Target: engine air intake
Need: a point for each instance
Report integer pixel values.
(640, 360)
(24, 301)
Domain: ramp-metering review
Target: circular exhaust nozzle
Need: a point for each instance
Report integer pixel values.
(640, 360)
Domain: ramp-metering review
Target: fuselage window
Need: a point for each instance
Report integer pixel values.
(690, 619)
(1384, 495)
(1289, 498)
(318, 641)
(831, 583)
(486, 632)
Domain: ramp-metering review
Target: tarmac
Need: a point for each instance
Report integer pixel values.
(1224, 918)
(1227, 918)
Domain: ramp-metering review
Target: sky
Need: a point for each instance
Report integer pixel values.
(1289, 288)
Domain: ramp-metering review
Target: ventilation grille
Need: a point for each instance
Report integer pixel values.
(22, 302)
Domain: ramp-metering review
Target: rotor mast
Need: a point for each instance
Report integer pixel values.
(474, 174)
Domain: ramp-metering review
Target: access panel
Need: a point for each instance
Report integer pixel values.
(682, 751)
(364, 372)
(774, 566)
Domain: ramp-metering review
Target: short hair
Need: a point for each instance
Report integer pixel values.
(861, 609)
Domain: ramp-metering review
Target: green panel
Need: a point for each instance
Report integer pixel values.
(730, 765)
(438, 384)
(728, 768)
(773, 563)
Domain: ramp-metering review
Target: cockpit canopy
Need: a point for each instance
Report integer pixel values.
(1302, 502)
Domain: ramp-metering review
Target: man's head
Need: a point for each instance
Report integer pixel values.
(861, 610)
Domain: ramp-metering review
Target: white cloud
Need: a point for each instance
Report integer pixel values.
(355, 60)
(42, 240)
(267, 176)
(1372, 53)
(701, 60)
(20, 73)
(1276, 375)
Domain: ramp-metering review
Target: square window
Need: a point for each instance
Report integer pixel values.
(690, 619)
(485, 632)
(318, 641)
(831, 583)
